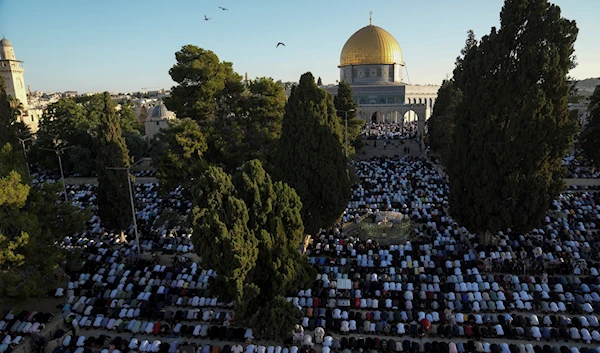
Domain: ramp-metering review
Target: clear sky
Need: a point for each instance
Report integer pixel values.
(125, 45)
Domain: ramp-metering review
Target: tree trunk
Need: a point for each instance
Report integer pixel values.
(486, 238)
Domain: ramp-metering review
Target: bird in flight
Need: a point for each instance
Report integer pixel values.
(278, 44)
(222, 8)
(207, 18)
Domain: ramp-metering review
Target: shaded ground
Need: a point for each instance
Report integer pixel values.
(94, 181)
(582, 181)
(394, 147)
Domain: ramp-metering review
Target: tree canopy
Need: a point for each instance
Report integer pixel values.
(254, 133)
(512, 126)
(248, 228)
(74, 122)
(311, 158)
(441, 124)
(113, 190)
(10, 128)
(589, 141)
(182, 158)
(32, 220)
(226, 141)
(204, 84)
(344, 102)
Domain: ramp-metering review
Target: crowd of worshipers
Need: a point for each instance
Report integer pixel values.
(439, 291)
(579, 167)
(55, 175)
(388, 131)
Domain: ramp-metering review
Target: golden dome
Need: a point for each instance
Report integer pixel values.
(371, 45)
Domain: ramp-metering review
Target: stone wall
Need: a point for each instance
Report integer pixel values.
(57, 323)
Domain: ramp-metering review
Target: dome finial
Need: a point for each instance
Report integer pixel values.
(370, 18)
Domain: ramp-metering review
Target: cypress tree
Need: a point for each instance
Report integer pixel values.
(512, 126)
(222, 237)
(344, 102)
(311, 155)
(248, 228)
(183, 159)
(441, 123)
(113, 189)
(8, 118)
(590, 136)
(274, 212)
(33, 220)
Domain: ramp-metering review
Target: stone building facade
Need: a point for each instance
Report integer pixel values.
(371, 62)
(12, 71)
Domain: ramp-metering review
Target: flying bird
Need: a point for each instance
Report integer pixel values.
(278, 44)
(222, 8)
(207, 18)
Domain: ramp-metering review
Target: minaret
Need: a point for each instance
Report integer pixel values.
(12, 71)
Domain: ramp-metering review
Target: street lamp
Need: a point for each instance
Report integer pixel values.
(25, 153)
(346, 120)
(62, 175)
(135, 229)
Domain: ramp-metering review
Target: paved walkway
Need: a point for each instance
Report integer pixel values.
(582, 181)
(94, 181)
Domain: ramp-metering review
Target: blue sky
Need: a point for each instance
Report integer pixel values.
(128, 44)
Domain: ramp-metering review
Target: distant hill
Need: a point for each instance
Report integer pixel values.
(586, 87)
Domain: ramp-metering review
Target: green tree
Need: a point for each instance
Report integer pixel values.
(470, 42)
(262, 128)
(512, 126)
(276, 319)
(136, 144)
(201, 83)
(310, 157)
(113, 190)
(441, 123)
(66, 123)
(344, 102)
(589, 141)
(32, 221)
(74, 122)
(274, 216)
(222, 236)
(248, 228)
(319, 82)
(129, 122)
(181, 158)
(233, 141)
(9, 126)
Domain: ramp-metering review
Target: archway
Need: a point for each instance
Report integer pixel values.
(410, 116)
(374, 117)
